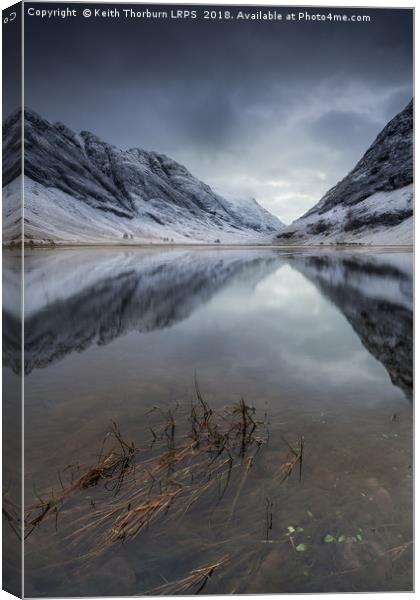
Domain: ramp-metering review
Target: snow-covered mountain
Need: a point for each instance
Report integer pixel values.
(79, 189)
(373, 204)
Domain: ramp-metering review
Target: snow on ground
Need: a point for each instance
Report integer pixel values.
(53, 216)
(251, 212)
(378, 206)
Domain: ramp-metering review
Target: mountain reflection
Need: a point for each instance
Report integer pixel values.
(376, 297)
(95, 298)
(74, 299)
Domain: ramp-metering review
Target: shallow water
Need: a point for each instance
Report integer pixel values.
(321, 341)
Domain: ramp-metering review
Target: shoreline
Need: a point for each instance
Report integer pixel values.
(149, 246)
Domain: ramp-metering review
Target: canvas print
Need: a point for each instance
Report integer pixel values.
(208, 299)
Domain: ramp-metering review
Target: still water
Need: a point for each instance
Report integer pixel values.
(320, 343)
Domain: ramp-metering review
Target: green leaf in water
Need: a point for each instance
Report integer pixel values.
(329, 538)
(291, 529)
(300, 529)
(359, 537)
(301, 547)
(308, 512)
(342, 538)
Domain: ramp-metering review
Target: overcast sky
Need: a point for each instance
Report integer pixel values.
(274, 110)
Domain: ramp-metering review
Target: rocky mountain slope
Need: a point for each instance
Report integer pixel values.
(80, 189)
(373, 204)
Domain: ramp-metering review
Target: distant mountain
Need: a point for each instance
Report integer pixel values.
(79, 189)
(373, 204)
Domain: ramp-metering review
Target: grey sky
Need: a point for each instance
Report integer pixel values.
(278, 111)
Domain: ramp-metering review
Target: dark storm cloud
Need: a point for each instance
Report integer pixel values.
(338, 128)
(279, 111)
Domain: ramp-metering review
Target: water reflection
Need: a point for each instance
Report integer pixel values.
(12, 420)
(78, 298)
(71, 305)
(375, 294)
(312, 337)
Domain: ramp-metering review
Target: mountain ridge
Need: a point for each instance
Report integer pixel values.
(141, 194)
(373, 203)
